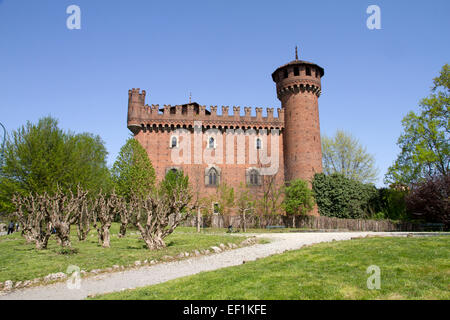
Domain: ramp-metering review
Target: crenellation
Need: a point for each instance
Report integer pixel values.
(258, 113)
(155, 108)
(225, 111)
(190, 110)
(236, 112)
(185, 114)
(280, 112)
(270, 113)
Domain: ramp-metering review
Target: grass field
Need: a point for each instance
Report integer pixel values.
(19, 261)
(411, 268)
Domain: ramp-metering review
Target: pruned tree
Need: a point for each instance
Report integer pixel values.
(64, 210)
(32, 215)
(158, 214)
(85, 220)
(125, 209)
(105, 208)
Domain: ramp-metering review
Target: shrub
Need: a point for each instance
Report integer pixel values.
(390, 204)
(341, 197)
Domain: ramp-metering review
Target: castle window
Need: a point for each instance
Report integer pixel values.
(174, 142)
(254, 178)
(296, 72)
(285, 74)
(308, 71)
(211, 143)
(213, 177)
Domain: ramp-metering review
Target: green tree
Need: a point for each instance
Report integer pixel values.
(225, 199)
(133, 173)
(174, 180)
(390, 204)
(424, 142)
(40, 157)
(345, 155)
(299, 198)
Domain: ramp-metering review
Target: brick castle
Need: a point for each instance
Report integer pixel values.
(214, 148)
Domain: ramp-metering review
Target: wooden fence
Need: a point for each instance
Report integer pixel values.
(308, 222)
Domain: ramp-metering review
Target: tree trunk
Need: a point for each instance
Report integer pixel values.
(198, 220)
(123, 230)
(83, 231)
(106, 238)
(63, 234)
(100, 236)
(27, 235)
(155, 243)
(42, 241)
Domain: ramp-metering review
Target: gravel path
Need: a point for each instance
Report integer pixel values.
(162, 272)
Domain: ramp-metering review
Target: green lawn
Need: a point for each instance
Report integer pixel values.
(411, 268)
(19, 261)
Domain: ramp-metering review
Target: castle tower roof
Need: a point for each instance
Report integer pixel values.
(298, 63)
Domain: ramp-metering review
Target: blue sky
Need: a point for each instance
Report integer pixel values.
(224, 53)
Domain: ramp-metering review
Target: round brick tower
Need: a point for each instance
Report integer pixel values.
(298, 89)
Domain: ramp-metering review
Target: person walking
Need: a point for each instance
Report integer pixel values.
(11, 227)
(17, 227)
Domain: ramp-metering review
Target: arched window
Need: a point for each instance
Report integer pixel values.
(174, 142)
(212, 177)
(254, 177)
(211, 143)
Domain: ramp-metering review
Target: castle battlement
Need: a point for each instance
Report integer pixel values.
(141, 115)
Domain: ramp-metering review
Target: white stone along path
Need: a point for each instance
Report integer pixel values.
(150, 275)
